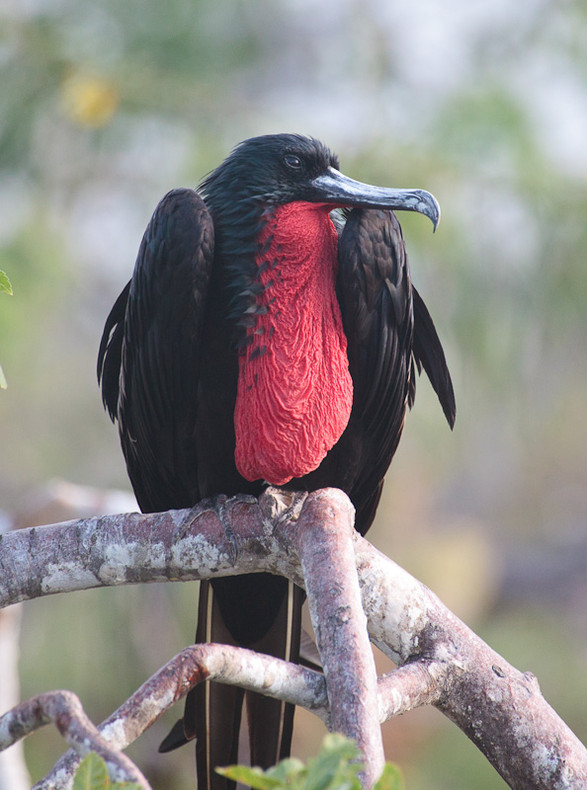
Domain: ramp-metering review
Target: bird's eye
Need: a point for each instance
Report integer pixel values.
(293, 161)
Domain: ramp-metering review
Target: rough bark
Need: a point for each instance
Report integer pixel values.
(440, 660)
(195, 664)
(498, 707)
(198, 663)
(64, 709)
(323, 538)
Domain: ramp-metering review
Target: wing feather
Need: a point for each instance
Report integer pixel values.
(429, 354)
(374, 292)
(149, 360)
(388, 330)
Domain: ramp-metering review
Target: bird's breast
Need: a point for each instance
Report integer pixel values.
(295, 392)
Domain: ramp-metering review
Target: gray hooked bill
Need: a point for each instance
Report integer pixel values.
(336, 188)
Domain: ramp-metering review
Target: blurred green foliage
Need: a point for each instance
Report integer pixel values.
(5, 284)
(334, 767)
(92, 774)
(104, 107)
(5, 287)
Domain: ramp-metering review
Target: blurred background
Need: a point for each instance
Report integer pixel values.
(104, 106)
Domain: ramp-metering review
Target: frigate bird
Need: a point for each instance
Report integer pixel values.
(270, 334)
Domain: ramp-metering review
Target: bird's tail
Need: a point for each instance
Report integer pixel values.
(263, 613)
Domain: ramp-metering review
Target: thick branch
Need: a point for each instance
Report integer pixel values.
(323, 537)
(499, 708)
(179, 545)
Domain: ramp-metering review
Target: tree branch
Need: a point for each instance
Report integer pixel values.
(221, 663)
(441, 661)
(499, 708)
(213, 662)
(64, 709)
(322, 536)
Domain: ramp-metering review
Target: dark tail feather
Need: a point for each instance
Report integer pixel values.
(213, 711)
(309, 655)
(174, 738)
(428, 353)
(271, 721)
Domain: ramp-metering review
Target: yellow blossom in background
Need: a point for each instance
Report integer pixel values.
(89, 101)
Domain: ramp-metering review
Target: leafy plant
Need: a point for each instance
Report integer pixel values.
(92, 774)
(336, 767)
(5, 285)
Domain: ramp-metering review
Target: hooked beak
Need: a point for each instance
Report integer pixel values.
(340, 190)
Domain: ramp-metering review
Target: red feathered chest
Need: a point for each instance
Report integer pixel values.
(295, 391)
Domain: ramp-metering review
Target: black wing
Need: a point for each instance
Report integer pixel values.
(149, 359)
(429, 354)
(388, 328)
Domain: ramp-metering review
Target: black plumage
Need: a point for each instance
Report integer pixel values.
(168, 367)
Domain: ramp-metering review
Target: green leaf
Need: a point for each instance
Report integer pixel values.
(390, 779)
(335, 742)
(288, 771)
(3, 382)
(336, 765)
(91, 774)
(251, 776)
(5, 284)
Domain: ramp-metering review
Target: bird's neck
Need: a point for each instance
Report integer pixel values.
(294, 390)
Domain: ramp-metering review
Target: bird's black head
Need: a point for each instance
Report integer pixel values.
(267, 171)
(275, 169)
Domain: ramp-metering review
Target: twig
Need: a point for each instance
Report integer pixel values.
(64, 709)
(409, 687)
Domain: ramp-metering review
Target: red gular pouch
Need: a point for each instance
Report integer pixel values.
(295, 392)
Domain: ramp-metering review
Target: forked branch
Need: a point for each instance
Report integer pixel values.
(64, 709)
(440, 661)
